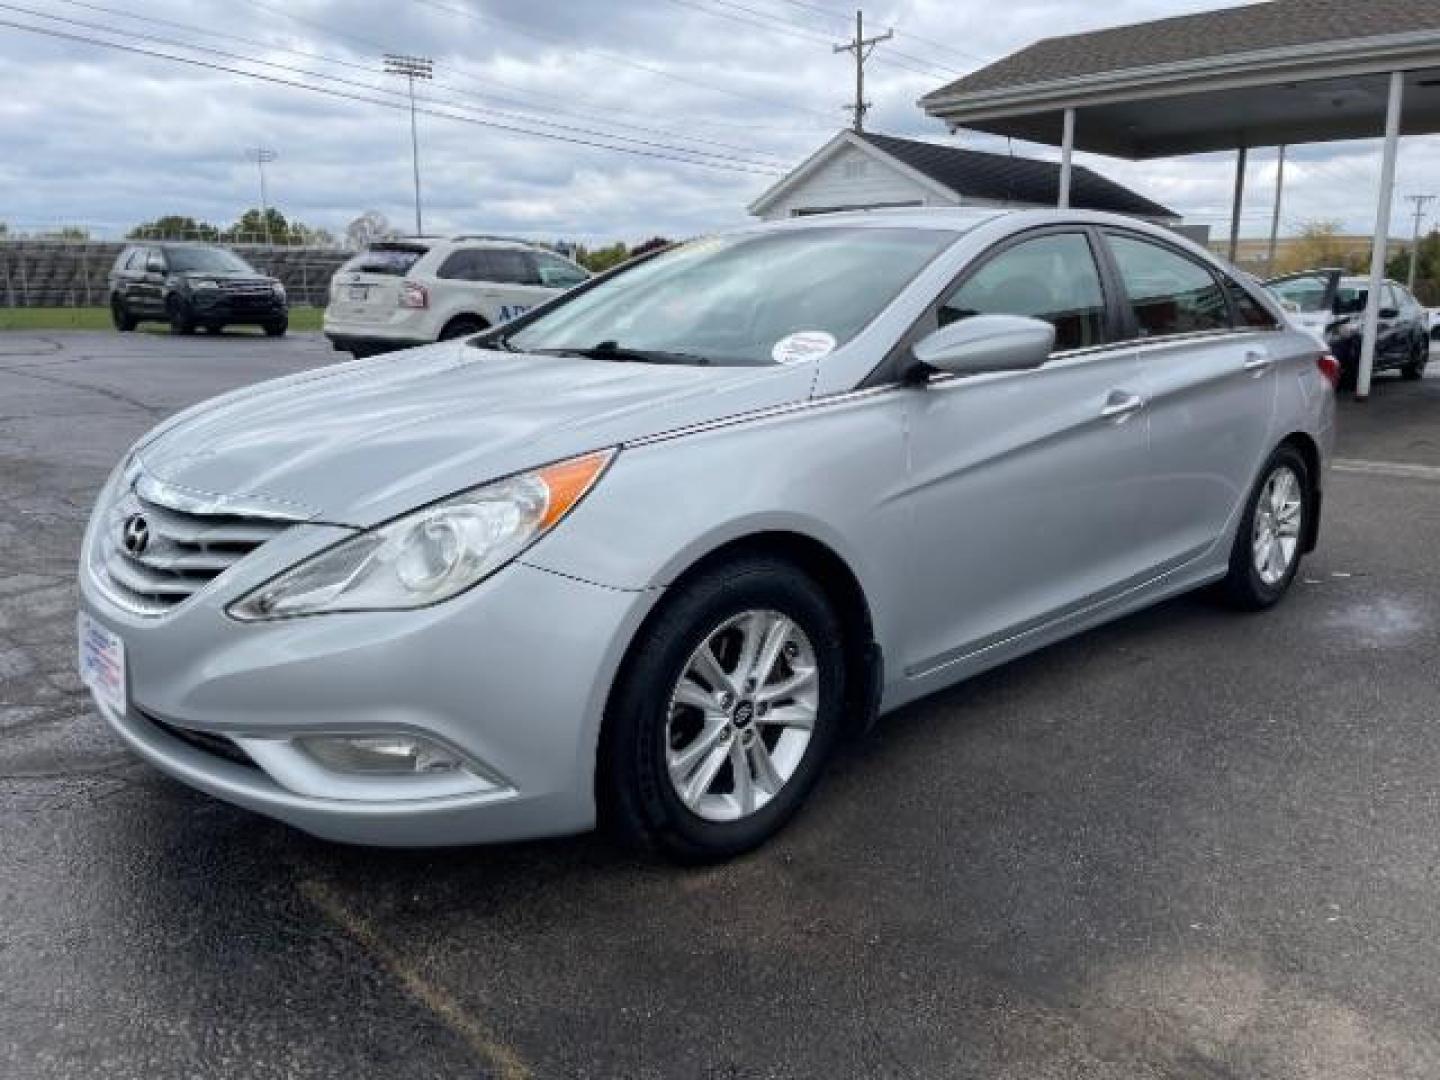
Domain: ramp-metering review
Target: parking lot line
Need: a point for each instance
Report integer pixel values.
(499, 1058)
(1387, 468)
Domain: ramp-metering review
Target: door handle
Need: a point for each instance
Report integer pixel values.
(1120, 405)
(1258, 362)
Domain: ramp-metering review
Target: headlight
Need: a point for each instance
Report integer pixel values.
(204, 284)
(279, 289)
(433, 553)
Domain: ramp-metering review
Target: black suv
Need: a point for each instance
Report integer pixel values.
(192, 285)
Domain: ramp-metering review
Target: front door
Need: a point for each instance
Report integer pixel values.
(1024, 486)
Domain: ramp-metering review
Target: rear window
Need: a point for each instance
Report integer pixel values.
(393, 259)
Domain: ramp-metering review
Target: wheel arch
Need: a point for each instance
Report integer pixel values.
(841, 586)
(1309, 450)
(481, 323)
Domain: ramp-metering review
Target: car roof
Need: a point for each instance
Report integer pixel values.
(467, 239)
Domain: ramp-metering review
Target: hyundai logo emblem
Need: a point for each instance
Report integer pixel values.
(135, 534)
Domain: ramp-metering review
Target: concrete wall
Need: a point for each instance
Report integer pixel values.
(56, 273)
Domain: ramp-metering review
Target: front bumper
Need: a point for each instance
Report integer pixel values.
(513, 674)
(213, 305)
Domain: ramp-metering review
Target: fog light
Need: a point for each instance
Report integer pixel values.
(391, 755)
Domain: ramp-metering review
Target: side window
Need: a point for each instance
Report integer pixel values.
(1250, 314)
(504, 267)
(1052, 278)
(556, 272)
(1168, 292)
(459, 266)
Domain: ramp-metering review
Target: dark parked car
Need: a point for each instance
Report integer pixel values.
(194, 286)
(1330, 305)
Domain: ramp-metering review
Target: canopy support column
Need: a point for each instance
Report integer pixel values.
(1067, 152)
(1241, 157)
(1382, 234)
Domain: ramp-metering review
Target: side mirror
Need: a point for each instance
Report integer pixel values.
(985, 343)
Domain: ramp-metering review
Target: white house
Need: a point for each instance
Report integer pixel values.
(865, 171)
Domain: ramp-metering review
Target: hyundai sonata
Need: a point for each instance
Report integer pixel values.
(643, 554)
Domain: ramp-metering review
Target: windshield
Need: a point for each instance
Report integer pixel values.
(754, 298)
(206, 260)
(1307, 293)
(392, 259)
(1351, 299)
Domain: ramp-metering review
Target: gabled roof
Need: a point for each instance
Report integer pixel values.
(1233, 31)
(1001, 178)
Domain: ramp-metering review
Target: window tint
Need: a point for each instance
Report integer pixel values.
(459, 266)
(394, 260)
(558, 273)
(1306, 293)
(1052, 278)
(1249, 312)
(505, 267)
(1169, 293)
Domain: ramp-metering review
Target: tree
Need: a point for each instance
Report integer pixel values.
(598, 260)
(653, 244)
(368, 228)
(1320, 243)
(257, 228)
(174, 227)
(4, 229)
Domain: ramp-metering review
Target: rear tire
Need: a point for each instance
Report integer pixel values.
(182, 319)
(123, 320)
(1270, 540)
(647, 791)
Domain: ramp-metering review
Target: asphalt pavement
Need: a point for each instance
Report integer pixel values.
(1189, 844)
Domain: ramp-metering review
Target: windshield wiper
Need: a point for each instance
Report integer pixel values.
(611, 350)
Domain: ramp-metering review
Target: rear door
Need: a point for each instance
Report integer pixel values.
(367, 288)
(509, 283)
(1209, 378)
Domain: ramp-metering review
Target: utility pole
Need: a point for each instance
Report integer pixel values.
(262, 156)
(412, 67)
(1275, 214)
(862, 47)
(1420, 201)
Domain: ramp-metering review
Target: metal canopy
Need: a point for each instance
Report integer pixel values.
(1222, 80)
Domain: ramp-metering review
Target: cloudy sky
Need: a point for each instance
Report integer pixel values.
(736, 90)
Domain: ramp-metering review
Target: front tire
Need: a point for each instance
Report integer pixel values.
(277, 328)
(123, 320)
(1419, 359)
(724, 714)
(1270, 540)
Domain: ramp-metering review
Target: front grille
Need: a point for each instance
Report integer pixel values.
(260, 290)
(183, 549)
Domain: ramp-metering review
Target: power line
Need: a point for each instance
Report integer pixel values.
(844, 17)
(568, 128)
(383, 103)
(369, 68)
(619, 58)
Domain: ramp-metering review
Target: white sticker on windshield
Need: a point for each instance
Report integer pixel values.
(807, 345)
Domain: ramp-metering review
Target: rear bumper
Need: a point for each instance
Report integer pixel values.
(370, 344)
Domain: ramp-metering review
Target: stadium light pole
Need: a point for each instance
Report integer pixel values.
(262, 156)
(412, 67)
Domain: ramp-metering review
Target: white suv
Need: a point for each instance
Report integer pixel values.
(401, 293)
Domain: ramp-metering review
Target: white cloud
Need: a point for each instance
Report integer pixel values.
(106, 138)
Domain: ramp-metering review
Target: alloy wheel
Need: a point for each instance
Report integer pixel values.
(1275, 538)
(741, 715)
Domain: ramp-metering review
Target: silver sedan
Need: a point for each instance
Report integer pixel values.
(643, 555)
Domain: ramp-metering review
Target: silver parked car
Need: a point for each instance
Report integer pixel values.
(643, 553)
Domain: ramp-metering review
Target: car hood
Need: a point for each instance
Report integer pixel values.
(357, 443)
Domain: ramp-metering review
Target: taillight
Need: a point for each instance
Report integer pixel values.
(414, 295)
(1330, 368)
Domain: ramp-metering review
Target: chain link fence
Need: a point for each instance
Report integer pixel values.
(75, 273)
